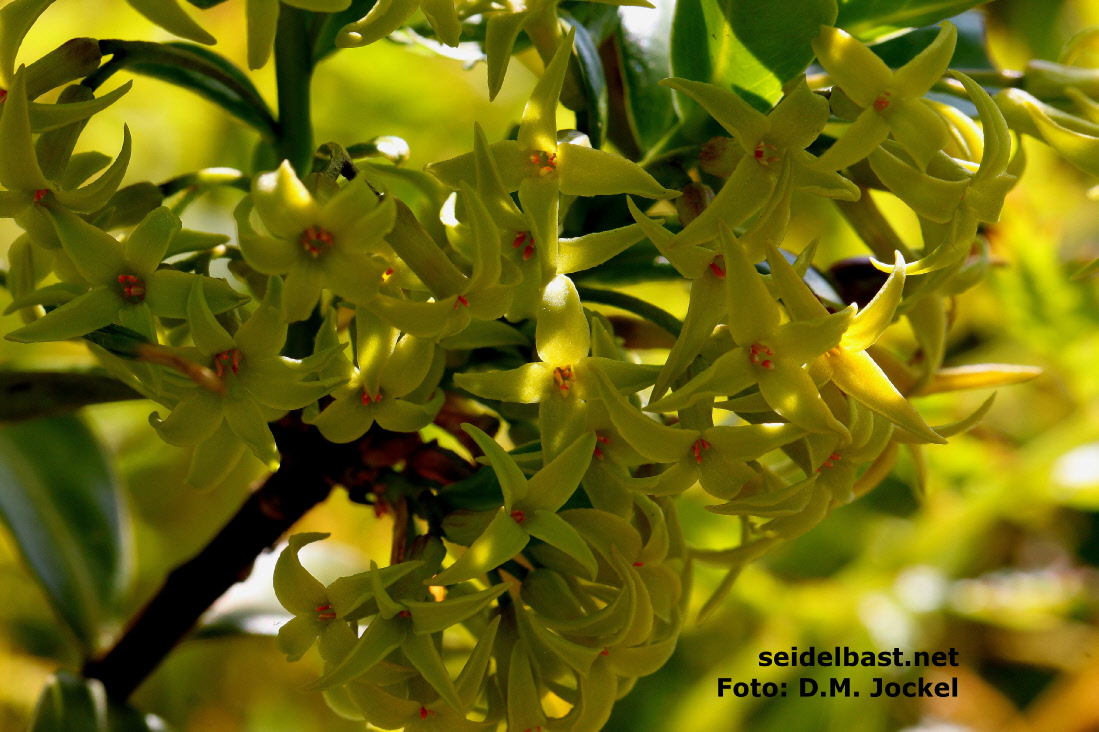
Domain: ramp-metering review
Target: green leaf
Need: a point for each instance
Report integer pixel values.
(969, 52)
(591, 119)
(31, 394)
(752, 46)
(644, 47)
(871, 19)
(63, 506)
(203, 72)
(73, 704)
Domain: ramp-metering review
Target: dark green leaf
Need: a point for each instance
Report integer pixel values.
(201, 71)
(644, 45)
(751, 46)
(69, 703)
(30, 394)
(590, 118)
(869, 20)
(64, 508)
(970, 53)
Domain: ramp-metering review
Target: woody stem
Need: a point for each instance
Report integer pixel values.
(191, 588)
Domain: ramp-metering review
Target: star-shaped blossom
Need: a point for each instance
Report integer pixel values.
(529, 510)
(951, 197)
(126, 288)
(850, 367)
(890, 101)
(28, 190)
(768, 354)
(541, 167)
(259, 386)
(319, 239)
(770, 141)
(389, 370)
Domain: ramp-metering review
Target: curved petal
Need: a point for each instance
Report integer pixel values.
(738, 117)
(194, 419)
(858, 140)
(585, 171)
(283, 202)
(852, 66)
(561, 336)
(538, 130)
(916, 77)
(19, 170)
(93, 310)
(345, 419)
(96, 194)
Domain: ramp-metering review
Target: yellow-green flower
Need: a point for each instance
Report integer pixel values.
(319, 239)
(125, 285)
(891, 101)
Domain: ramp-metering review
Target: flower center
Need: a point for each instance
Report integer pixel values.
(316, 240)
(3, 95)
(133, 288)
(831, 461)
(518, 516)
(757, 352)
(697, 449)
(546, 162)
(325, 612)
(388, 274)
(425, 712)
(230, 358)
(602, 440)
(718, 267)
(524, 236)
(763, 154)
(40, 194)
(461, 301)
(563, 377)
(366, 397)
(882, 101)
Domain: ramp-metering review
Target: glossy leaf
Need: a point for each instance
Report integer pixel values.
(64, 508)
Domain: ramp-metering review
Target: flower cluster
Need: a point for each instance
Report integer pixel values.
(560, 564)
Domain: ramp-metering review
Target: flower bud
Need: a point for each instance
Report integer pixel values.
(70, 61)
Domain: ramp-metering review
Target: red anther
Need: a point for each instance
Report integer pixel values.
(882, 101)
(366, 398)
(528, 252)
(639, 564)
(3, 95)
(322, 608)
(761, 157)
(520, 237)
(387, 274)
(404, 614)
(425, 712)
(551, 159)
(40, 194)
(717, 269)
(605, 651)
(132, 287)
(826, 464)
(315, 240)
(518, 516)
(461, 301)
(767, 364)
(598, 453)
(230, 358)
(546, 170)
(562, 376)
(834, 456)
(697, 449)
(535, 158)
(602, 438)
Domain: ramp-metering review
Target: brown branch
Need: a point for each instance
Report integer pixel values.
(310, 467)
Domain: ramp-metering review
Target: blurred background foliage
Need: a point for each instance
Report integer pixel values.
(998, 560)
